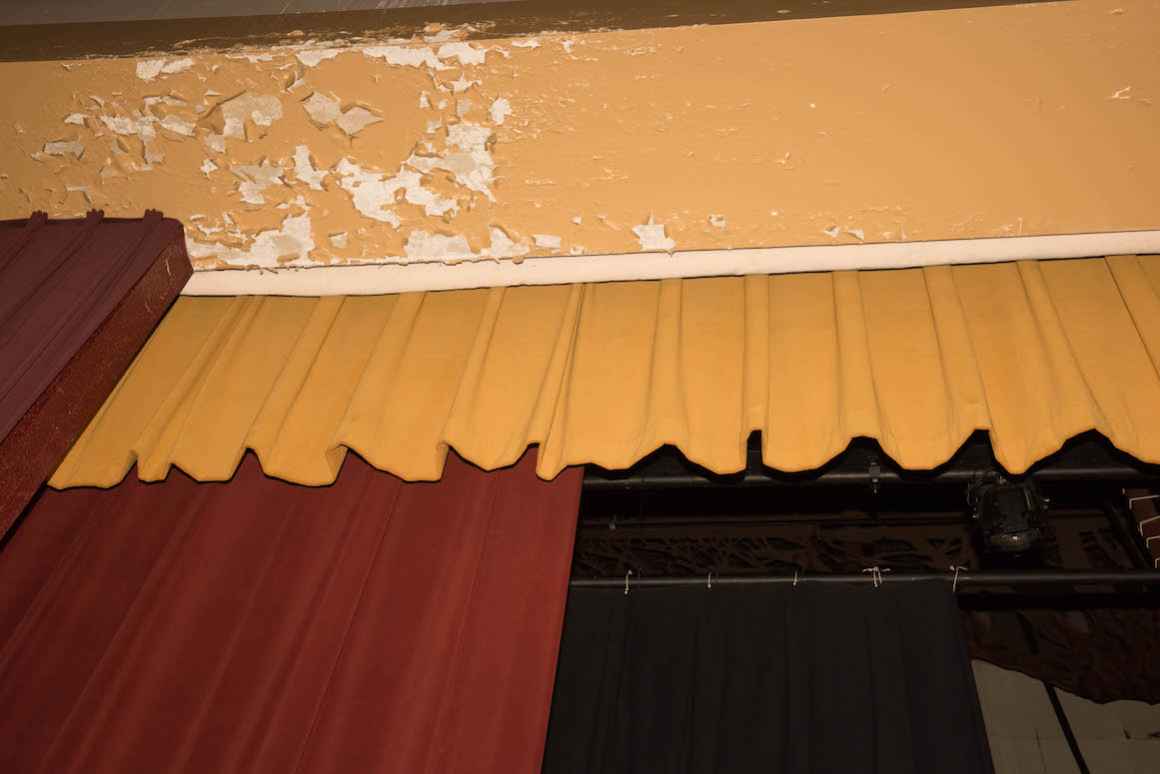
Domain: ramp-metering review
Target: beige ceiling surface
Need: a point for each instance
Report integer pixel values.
(997, 121)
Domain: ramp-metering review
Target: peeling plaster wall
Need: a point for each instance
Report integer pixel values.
(984, 122)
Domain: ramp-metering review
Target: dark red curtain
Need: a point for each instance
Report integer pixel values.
(369, 626)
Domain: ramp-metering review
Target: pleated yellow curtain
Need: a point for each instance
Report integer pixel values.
(1033, 352)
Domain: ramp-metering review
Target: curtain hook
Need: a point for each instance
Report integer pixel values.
(955, 581)
(709, 583)
(876, 574)
(626, 582)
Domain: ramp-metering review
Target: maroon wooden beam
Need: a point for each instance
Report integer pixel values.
(78, 299)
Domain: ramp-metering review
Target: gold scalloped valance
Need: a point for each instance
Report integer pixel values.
(1032, 352)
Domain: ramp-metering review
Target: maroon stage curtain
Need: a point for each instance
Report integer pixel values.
(369, 626)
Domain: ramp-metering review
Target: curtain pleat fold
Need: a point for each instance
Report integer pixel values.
(1033, 353)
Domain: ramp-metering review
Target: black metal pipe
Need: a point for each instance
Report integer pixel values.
(851, 477)
(965, 579)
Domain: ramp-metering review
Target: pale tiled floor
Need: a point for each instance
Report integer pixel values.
(1121, 737)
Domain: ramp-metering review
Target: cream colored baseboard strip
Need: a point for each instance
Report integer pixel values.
(374, 279)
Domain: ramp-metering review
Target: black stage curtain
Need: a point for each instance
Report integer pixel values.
(765, 679)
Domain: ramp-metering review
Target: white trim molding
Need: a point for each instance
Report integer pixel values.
(381, 278)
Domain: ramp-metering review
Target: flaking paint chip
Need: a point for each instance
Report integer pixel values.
(405, 56)
(64, 148)
(652, 237)
(423, 246)
(466, 53)
(261, 110)
(500, 110)
(148, 69)
(323, 110)
(177, 125)
(462, 84)
(313, 57)
(305, 171)
(354, 120)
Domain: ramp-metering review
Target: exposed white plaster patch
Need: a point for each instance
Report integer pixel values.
(577, 219)
(208, 166)
(269, 249)
(401, 55)
(502, 246)
(304, 168)
(208, 230)
(164, 99)
(1124, 93)
(323, 110)
(373, 192)
(216, 142)
(83, 190)
(472, 166)
(64, 148)
(652, 236)
(567, 45)
(178, 125)
(424, 246)
(549, 241)
(312, 57)
(462, 84)
(140, 126)
(529, 43)
(576, 250)
(500, 110)
(252, 58)
(424, 100)
(120, 124)
(355, 120)
(832, 232)
(857, 233)
(148, 69)
(77, 119)
(261, 110)
(718, 221)
(338, 240)
(464, 52)
(434, 126)
(438, 37)
(255, 178)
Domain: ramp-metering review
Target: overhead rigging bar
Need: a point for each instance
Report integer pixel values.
(963, 581)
